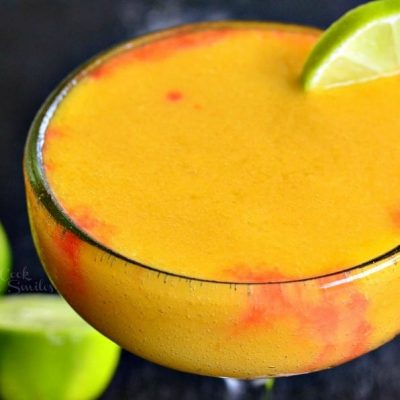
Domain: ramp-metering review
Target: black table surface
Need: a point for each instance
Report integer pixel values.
(40, 42)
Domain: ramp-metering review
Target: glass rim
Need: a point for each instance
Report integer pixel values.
(33, 164)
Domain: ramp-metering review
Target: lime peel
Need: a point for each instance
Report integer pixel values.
(5, 260)
(48, 352)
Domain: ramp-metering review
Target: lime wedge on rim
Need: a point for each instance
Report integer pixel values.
(362, 45)
(5, 260)
(48, 352)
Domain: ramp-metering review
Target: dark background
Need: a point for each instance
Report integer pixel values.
(40, 42)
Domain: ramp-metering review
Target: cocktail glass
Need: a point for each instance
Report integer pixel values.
(239, 330)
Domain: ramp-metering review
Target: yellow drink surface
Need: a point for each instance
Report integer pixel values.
(196, 152)
(200, 154)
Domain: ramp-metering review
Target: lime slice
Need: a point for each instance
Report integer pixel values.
(362, 45)
(5, 260)
(48, 352)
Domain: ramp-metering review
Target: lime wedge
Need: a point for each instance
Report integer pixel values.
(5, 260)
(48, 352)
(362, 45)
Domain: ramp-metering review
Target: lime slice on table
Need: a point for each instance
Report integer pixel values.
(5, 260)
(362, 45)
(48, 352)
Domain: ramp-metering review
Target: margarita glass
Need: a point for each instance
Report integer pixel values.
(247, 327)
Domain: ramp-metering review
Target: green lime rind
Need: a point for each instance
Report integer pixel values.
(48, 352)
(269, 384)
(5, 260)
(362, 45)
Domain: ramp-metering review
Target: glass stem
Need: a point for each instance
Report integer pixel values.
(256, 389)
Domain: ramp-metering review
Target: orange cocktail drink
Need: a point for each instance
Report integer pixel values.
(192, 203)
